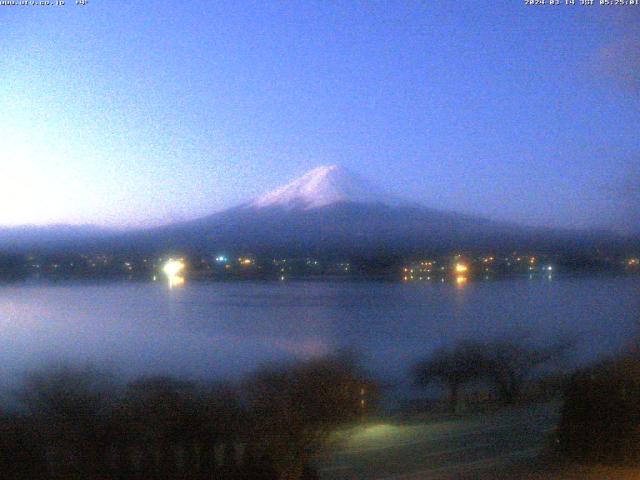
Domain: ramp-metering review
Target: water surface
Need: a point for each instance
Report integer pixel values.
(218, 329)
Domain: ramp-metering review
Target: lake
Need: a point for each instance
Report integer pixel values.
(204, 330)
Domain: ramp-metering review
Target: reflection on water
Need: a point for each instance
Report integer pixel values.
(212, 329)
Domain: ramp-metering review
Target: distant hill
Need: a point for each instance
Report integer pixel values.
(49, 237)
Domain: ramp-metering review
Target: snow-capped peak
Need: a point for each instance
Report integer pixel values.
(321, 186)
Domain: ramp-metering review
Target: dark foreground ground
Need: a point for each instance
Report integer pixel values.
(509, 444)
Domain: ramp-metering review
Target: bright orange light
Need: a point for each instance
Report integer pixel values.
(461, 280)
(461, 268)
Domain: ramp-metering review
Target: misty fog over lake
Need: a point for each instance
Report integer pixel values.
(212, 330)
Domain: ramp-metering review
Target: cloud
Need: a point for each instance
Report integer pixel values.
(618, 59)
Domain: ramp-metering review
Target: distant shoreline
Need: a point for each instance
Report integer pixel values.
(568, 275)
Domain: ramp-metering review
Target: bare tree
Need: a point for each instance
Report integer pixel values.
(509, 363)
(452, 367)
(294, 409)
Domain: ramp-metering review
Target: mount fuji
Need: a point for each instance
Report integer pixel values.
(320, 187)
(330, 211)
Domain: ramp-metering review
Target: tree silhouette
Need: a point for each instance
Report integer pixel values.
(69, 408)
(294, 408)
(510, 362)
(452, 367)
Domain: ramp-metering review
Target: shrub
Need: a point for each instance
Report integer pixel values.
(600, 419)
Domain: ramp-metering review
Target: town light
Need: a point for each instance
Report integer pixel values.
(172, 269)
(461, 268)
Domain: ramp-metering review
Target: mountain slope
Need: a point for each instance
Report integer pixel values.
(363, 228)
(320, 187)
(49, 237)
(331, 211)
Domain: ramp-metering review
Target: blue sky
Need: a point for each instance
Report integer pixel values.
(128, 113)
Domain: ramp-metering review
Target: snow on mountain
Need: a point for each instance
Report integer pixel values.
(320, 187)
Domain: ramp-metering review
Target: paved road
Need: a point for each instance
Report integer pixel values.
(482, 446)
